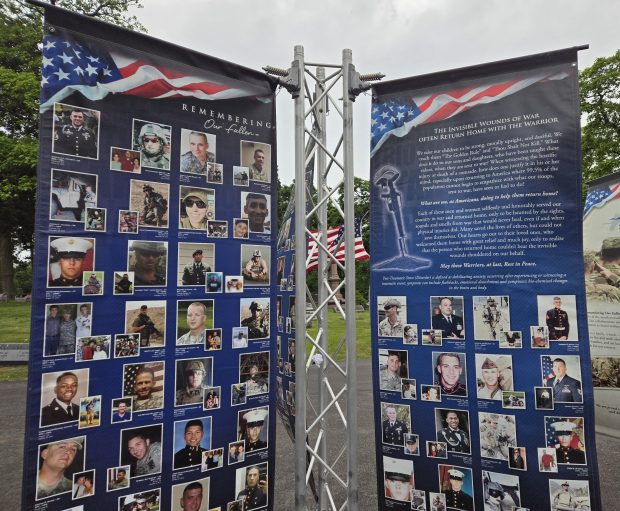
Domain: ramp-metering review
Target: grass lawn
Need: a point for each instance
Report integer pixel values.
(336, 326)
(14, 321)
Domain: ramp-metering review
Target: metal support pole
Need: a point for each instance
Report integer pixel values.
(300, 288)
(349, 241)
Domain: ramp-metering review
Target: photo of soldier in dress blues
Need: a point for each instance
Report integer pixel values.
(452, 427)
(395, 423)
(251, 486)
(76, 131)
(192, 437)
(567, 436)
(447, 316)
(559, 313)
(457, 485)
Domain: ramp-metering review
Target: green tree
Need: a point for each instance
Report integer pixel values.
(21, 31)
(600, 102)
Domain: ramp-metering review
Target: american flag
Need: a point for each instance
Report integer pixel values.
(335, 241)
(547, 368)
(397, 117)
(76, 66)
(598, 197)
(130, 377)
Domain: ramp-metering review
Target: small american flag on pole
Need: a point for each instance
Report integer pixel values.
(335, 242)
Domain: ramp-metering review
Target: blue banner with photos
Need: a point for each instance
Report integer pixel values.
(153, 333)
(482, 376)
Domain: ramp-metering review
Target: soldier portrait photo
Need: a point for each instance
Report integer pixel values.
(61, 392)
(491, 317)
(256, 208)
(127, 221)
(193, 318)
(151, 199)
(69, 258)
(500, 491)
(498, 432)
(450, 373)
(395, 423)
(194, 261)
(257, 157)
(125, 160)
(392, 368)
(493, 375)
(192, 437)
(559, 313)
(118, 478)
(154, 142)
(70, 194)
(568, 494)
(452, 427)
(191, 496)
(197, 150)
(447, 316)
(255, 264)
(410, 334)
(145, 383)
(398, 478)
(148, 260)
(456, 484)
(123, 282)
(196, 207)
(76, 131)
(567, 436)
(254, 372)
(147, 318)
(392, 315)
(58, 462)
(432, 337)
(251, 487)
(562, 375)
(192, 376)
(253, 427)
(141, 449)
(254, 314)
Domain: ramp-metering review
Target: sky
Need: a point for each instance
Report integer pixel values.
(398, 38)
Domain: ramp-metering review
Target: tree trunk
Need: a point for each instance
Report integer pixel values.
(6, 265)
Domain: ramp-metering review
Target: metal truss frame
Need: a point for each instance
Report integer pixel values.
(319, 456)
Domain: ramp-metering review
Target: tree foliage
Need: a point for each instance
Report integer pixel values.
(600, 102)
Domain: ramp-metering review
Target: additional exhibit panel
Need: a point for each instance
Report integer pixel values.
(475, 215)
(136, 346)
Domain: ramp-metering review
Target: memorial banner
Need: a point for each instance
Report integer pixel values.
(601, 244)
(150, 383)
(482, 379)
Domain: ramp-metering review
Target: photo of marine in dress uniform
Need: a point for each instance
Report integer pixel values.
(398, 478)
(491, 317)
(559, 313)
(395, 423)
(567, 436)
(69, 258)
(456, 484)
(251, 487)
(154, 142)
(76, 131)
(253, 428)
(192, 437)
(392, 315)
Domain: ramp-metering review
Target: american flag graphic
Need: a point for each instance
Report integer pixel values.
(398, 116)
(335, 244)
(547, 368)
(598, 197)
(131, 371)
(72, 66)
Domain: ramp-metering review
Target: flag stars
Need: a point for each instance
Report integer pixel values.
(66, 59)
(107, 72)
(382, 127)
(47, 62)
(49, 45)
(91, 70)
(385, 115)
(79, 71)
(61, 74)
(93, 59)
(400, 115)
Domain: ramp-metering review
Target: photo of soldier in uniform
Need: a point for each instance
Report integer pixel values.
(194, 261)
(255, 263)
(254, 314)
(125, 160)
(57, 462)
(256, 207)
(123, 282)
(253, 427)
(257, 157)
(562, 375)
(238, 394)
(193, 318)
(540, 337)
(192, 437)
(154, 142)
(395, 423)
(196, 207)
(254, 372)
(493, 375)
(147, 318)
(149, 262)
(392, 315)
(191, 496)
(491, 317)
(192, 376)
(452, 427)
(398, 478)
(500, 491)
(567, 436)
(569, 495)
(450, 373)
(559, 313)
(61, 392)
(544, 398)
(95, 219)
(410, 334)
(215, 173)
(456, 484)
(145, 383)
(118, 478)
(92, 283)
(90, 412)
(127, 221)
(151, 199)
(498, 432)
(447, 316)
(251, 486)
(431, 337)
(76, 131)
(241, 176)
(141, 449)
(392, 368)
(197, 150)
(69, 258)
